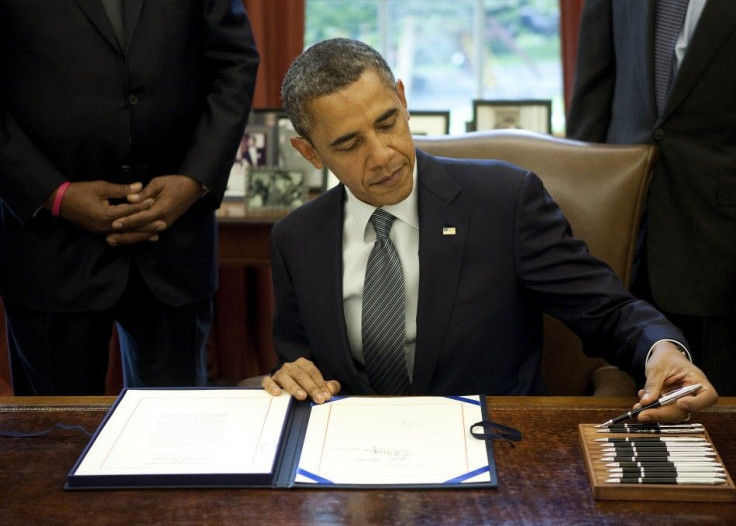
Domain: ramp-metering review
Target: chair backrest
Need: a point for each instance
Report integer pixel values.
(601, 189)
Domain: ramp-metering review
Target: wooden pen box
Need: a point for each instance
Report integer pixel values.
(597, 476)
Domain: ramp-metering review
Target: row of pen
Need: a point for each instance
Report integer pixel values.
(678, 454)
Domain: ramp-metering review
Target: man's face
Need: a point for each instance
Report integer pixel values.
(361, 134)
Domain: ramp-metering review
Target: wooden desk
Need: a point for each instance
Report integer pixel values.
(542, 479)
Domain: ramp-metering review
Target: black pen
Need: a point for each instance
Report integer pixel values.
(666, 470)
(631, 446)
(641, 458)
(663, 400)
(653, 428)
(667, 480)
(677, 465)
(646, 440)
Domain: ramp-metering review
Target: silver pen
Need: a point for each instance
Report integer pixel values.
(663, 400)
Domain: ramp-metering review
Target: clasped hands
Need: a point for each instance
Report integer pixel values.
(130, 213)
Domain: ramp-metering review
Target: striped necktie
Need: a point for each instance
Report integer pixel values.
(668, 19)
(383, 327)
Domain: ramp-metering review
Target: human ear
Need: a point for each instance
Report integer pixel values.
(305, 148)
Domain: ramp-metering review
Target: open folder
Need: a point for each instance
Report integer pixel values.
(204, 437)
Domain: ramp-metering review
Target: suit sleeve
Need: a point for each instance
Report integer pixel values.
(289, 334)
(595, 74)
(27, 177)
(230, 62)
(579, 289)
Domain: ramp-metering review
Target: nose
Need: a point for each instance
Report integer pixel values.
(379, 151)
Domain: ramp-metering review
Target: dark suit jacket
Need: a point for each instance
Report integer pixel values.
(76, 106)
(481, 291)
(692, 200)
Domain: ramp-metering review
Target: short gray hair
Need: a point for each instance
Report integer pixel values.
(325, 68)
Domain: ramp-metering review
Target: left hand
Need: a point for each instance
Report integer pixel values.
(172, 196)
(666, 370)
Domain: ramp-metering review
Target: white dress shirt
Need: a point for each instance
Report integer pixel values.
(358, 237)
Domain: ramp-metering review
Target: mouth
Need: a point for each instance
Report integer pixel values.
(388, 180)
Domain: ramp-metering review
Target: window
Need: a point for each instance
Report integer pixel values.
(450, 52)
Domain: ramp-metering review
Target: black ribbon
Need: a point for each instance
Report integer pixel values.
(495, 431)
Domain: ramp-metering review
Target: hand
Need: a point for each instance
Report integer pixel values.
(170, 196)
(88, 204)
(668, 369)
(299, 379)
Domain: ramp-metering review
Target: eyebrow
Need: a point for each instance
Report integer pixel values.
(349, 136)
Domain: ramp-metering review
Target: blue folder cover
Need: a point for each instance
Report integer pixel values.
(285, 466)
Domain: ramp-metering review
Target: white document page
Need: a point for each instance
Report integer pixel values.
(403, 440)
(189, 431)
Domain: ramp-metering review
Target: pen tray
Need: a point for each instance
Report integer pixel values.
(602, 490)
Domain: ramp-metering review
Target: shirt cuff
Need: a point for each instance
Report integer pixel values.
(677, 344)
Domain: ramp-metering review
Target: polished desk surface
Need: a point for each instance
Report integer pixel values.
(541, 481)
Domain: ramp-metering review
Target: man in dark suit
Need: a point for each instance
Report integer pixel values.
(688, 256)
(118, 126)
(482, 249)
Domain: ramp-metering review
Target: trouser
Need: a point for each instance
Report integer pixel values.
(66, 353)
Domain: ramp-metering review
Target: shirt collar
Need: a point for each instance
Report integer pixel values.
(407, 210)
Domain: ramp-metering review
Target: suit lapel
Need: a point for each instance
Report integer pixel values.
(96, 14)
(440, 264)
(717, 22)
(132, 12)
(323, 250)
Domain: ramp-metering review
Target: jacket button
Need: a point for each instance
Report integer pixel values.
(658, 134)
(125, 168)
(132, 99)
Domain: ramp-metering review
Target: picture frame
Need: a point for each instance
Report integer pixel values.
(424, 122)
(274, 189)
(255, 151)
(290, 159)
(527, 114)
(265, 116)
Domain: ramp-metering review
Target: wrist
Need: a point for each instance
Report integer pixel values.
(58, 197)
(677, 346)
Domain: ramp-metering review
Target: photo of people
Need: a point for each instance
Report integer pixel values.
(275, 189)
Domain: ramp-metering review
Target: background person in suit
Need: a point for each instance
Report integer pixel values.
(482, 246)
(688, 250)
(118, 127)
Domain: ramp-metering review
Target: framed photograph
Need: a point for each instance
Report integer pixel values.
(534, 115)
(265, 116)
(274, 189)
(290, 159)
(255, 151)
(429, 122)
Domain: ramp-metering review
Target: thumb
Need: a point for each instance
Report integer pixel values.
(117, 191)
(652, 389)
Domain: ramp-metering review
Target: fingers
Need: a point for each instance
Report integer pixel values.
(129, 238)
(124, 191)
(680, 410)
(302, 380)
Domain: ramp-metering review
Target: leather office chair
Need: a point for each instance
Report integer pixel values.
(601, 189)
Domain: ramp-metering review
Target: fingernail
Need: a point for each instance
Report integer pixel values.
(111, 241)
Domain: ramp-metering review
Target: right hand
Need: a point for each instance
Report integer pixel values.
(87, 204)
(300, 379)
